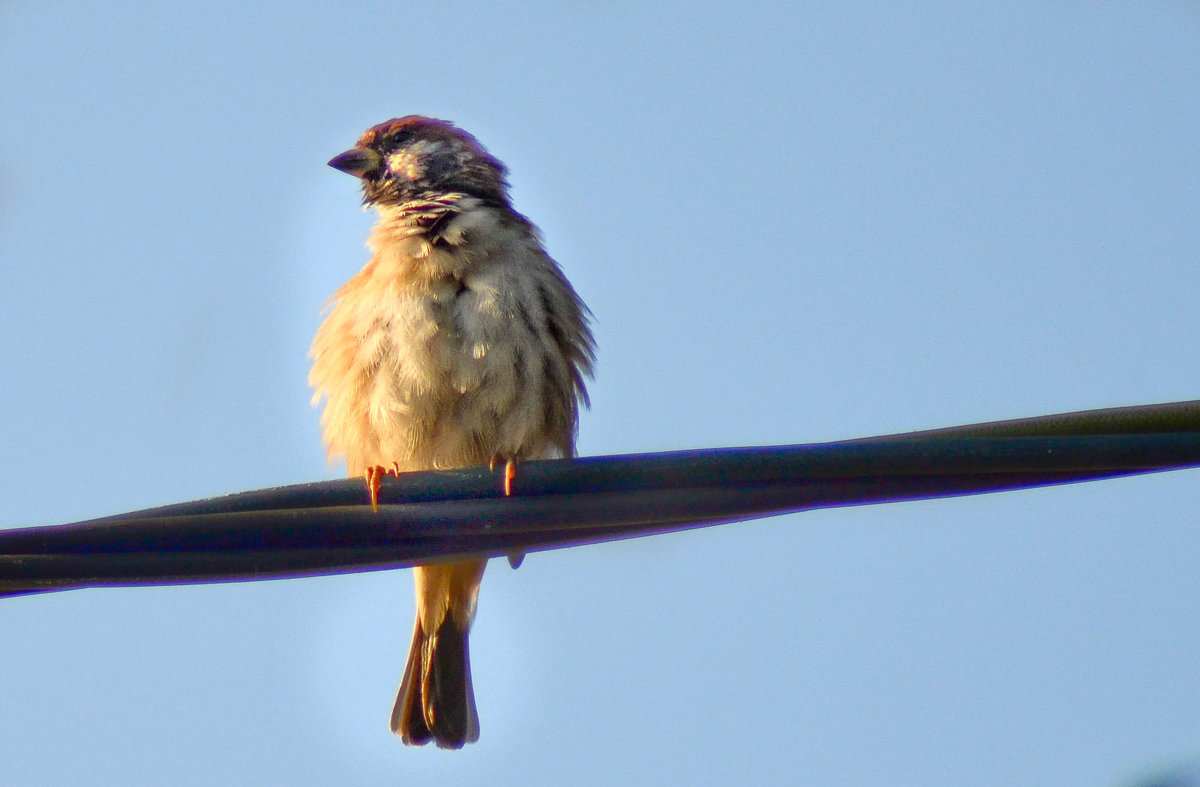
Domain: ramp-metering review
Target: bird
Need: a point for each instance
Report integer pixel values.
(460, 342)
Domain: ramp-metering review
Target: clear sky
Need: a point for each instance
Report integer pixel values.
(794, 222)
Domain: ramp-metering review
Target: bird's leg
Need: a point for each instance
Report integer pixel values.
(374, 476)
(510, 471)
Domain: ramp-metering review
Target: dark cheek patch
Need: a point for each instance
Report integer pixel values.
(438, 166)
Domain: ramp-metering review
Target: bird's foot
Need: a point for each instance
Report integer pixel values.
(510, 471)
(374, 476)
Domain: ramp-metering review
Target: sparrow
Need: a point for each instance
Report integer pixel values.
(459, 343)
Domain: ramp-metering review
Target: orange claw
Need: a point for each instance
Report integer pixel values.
(374, 476)
(510, 472)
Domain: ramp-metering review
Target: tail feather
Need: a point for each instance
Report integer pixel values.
(408, 720)
(436, 700)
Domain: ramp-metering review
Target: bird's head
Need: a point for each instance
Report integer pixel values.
(417, 157)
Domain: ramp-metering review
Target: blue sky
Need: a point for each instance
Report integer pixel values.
(794, 222)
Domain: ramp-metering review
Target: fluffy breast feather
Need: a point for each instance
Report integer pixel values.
(459, 340)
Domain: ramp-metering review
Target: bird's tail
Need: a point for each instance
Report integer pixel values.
(436, 701)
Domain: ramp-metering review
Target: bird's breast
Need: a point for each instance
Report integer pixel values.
(435, 379)
(442, 351)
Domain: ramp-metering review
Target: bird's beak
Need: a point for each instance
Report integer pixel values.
(356, 161)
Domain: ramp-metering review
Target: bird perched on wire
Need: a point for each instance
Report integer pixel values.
(459, 343)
